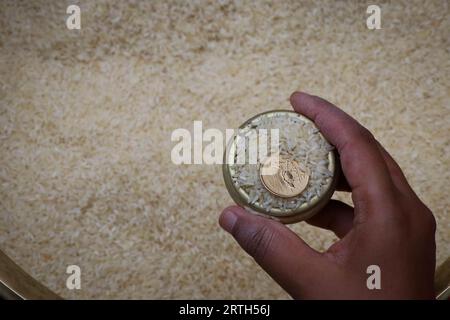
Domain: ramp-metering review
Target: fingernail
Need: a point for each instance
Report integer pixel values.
(295, 96)
(227, 220)
(298, 94)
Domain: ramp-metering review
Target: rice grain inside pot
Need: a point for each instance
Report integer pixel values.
(300, 140)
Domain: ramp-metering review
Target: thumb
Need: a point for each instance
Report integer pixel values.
(278, 250)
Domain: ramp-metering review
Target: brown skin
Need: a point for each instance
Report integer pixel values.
(389, 225)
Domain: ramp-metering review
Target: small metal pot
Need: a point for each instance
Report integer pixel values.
(304, 211)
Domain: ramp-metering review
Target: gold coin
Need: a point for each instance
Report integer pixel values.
(282, 176)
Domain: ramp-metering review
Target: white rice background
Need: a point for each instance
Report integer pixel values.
(86, 118)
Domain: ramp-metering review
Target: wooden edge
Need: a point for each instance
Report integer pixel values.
(442, 280)
(15, 283)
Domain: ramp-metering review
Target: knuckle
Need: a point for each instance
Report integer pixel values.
(363, 133)
(257, 242)
(423, 220)
(431, 224)
(355, 133)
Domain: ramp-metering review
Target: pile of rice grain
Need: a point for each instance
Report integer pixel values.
(300, 140)
(86, 118)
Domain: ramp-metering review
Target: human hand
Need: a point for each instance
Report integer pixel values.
(389, 226)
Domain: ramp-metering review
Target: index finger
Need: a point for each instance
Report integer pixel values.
(361, 160)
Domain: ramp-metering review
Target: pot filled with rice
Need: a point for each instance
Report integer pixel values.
(279, 165)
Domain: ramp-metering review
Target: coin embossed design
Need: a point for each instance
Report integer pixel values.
(283, 177)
